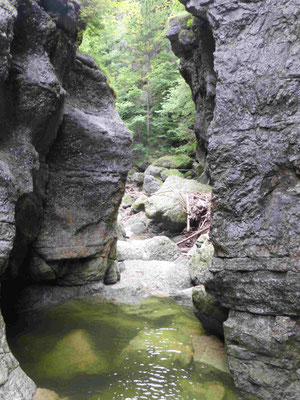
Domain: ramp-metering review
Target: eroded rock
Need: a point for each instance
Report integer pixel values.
(241, 60)
(64, 159)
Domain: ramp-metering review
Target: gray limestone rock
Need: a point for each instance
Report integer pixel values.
(64, 154)
(242, 63)
(151, 184)
(154, 171)
(14, 384)
(200, 259)
(210, 313)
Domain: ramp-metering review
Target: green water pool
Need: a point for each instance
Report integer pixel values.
(95, 350)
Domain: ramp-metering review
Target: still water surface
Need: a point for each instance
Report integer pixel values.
(94, 350)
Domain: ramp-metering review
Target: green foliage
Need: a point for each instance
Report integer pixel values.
(128, 40)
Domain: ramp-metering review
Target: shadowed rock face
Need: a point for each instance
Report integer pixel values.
(253, 154)
(64, 157)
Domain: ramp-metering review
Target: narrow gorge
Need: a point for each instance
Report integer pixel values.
(65, 156)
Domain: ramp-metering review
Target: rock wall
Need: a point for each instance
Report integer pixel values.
(253, 146)
(64, 159)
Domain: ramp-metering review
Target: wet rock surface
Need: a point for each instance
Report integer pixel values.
(250, 125)
(64, 154)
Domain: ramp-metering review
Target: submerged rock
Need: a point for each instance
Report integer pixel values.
(164, 347)
(45, 394)
(210, 351)
(72, 355)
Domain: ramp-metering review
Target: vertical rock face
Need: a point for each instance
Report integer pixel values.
(64, 159)
(253, 155)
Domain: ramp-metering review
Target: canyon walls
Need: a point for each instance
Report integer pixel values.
(253, 144)
(64, 159)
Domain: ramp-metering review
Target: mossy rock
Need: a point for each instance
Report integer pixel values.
(180, 161)
(139, 203)
(45, 394)
(165, 206)
(184, 17)
(72, 355)
(209, 351)
(209, 312)
(165, 173)
(189, 175)
(204, 391)
(127, 201)
(151, 184)
(201, 256)
(199, 168)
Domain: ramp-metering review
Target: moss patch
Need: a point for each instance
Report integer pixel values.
(181, 161)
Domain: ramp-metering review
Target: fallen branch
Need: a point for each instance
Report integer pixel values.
(193, 235)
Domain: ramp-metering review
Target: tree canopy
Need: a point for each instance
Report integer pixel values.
(128, 40)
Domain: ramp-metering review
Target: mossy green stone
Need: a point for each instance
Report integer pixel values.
(127, 201)
(45, 394)
(139, 203)
(180, 161)
(168, 172)
(167, 204)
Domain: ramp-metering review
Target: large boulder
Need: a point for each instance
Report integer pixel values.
(156, 248)
(136, 178)
(153, 171)
(165, 173)
(136, 225)
(78, 231)
(166, 205)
